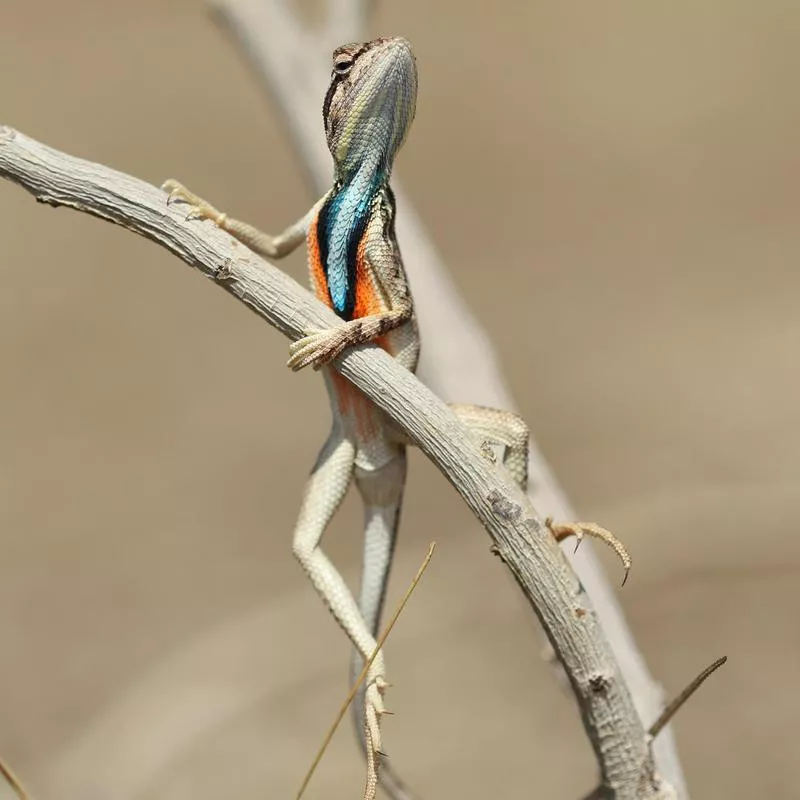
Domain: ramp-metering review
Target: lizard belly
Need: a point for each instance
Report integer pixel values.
(364, 423)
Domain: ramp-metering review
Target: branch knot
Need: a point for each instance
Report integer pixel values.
(504, 508)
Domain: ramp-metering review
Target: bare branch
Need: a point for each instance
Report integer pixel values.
(519, 534)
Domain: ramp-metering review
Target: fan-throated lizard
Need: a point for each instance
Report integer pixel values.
(356, 269)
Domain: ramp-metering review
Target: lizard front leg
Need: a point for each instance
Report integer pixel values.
(259, 242)
(318, 347)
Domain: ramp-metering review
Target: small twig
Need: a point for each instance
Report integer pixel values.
(367, 665)
(669, 712)
(13, 781)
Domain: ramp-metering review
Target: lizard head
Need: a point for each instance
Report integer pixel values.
(370, 104)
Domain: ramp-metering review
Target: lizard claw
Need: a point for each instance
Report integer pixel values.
(177, 192)
(316, 348)
(561, 530)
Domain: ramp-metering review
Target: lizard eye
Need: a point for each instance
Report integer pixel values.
(342, 65)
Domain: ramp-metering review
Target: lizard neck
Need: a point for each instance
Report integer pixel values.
(368, 157)
(341, 227)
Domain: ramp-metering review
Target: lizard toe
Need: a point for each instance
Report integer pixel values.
(561, 530)
(317, 348)
(177, 192)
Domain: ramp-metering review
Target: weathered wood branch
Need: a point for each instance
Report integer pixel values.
(520, 537)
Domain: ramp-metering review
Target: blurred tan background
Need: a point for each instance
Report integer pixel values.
(627, 171)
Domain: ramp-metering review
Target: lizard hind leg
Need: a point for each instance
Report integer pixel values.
(382, 493)
(324, 492)
(495, 427)
(326, 488)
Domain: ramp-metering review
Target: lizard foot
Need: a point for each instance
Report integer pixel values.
(318, 347)
(561, 530)
(201, 209)
(374, 710)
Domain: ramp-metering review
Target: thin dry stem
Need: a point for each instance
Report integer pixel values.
(13, 781)
(672, 709)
